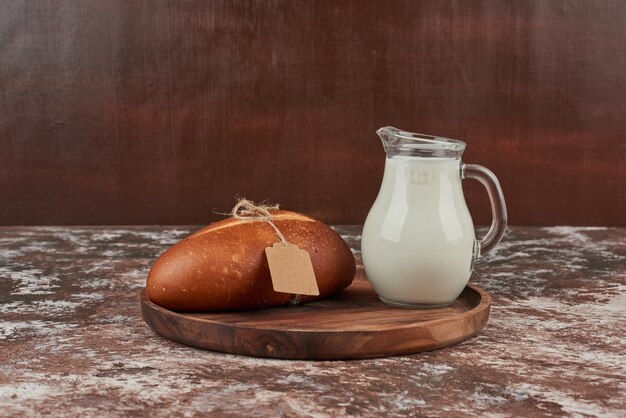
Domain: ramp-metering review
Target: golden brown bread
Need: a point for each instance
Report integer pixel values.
(223, 266)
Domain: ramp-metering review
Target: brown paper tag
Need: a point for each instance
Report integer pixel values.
(291, 270)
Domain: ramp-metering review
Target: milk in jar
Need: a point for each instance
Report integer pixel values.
(418, 244)
(418, 237)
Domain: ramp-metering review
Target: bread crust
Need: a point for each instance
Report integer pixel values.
(223, 266)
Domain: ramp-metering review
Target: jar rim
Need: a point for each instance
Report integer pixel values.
(399, 142)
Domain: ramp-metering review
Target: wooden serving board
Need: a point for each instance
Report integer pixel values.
(351, 325)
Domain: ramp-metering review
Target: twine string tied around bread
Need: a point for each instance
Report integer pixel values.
(247, 211)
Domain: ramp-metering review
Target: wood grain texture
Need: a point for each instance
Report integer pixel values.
(117, 112)
(354, 324)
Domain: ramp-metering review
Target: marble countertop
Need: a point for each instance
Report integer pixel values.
(72, 340)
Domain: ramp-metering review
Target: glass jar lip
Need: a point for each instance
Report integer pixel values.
(399, 142)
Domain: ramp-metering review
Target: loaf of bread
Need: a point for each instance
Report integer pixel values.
(224, 266)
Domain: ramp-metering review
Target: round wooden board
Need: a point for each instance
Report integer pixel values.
(351, 325)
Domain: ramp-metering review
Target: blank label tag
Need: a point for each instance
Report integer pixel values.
(291, 270)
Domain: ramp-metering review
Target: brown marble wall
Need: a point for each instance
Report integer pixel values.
(132, 112)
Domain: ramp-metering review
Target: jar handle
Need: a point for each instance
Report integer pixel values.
(498, 206)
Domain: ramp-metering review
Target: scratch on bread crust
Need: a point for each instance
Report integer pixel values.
(277, 217)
